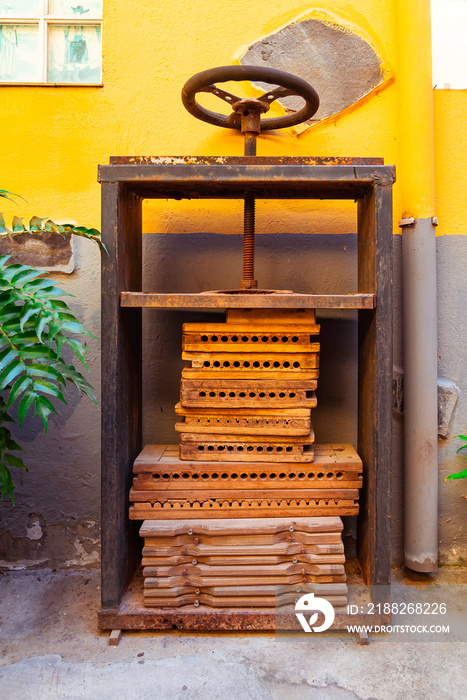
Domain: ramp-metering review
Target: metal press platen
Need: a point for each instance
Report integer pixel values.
(246, 117)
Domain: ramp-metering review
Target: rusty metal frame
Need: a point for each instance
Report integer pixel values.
(125, 183)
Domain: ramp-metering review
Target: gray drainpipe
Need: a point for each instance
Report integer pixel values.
(420, 393)
(416, 183)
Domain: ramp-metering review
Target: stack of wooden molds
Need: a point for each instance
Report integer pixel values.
(260, 563)
(243, 534)
(165, 487)
(246, 511)
(248, 393)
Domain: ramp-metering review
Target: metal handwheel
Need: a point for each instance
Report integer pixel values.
(246, 117)
(243, 108)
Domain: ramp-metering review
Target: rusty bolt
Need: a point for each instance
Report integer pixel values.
(196, 540)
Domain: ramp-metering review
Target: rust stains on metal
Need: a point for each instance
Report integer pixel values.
(242, 160)
(255, 299)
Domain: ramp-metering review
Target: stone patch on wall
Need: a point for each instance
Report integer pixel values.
(341, 66)
(45, 250)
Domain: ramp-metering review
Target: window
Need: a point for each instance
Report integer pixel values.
(448, 28)
(50, 41)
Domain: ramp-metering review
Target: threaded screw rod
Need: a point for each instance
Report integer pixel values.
(248, 281)
(249, 239)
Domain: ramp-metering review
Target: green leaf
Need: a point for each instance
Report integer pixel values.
(17, 225)
(458, 475)
(28, 310)
(11, 270)
(59, 340)
(66, 316)
(6, 418)
(44, 371)
(43, 408)
(10, 372)
(51, 292)
(7, 485)
(79, 349)
(8, 195)
(76, 328)
(19, 387)
(12, 445)
(9, 315)
(3, 258)
(79, 381)
(6, 356)
(18, 270)
(24, 405)
(38, 352)
(41, 323)
(40, 283)
(36, 223)
(26, 275)
(14, 461)
(48, 388)
(54, 329)
(59, 304)
(25, 339)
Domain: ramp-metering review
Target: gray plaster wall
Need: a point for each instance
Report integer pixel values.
(55, 520)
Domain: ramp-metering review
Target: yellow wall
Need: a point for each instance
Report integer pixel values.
(53, 138)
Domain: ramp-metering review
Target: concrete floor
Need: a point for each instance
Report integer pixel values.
(50, 648)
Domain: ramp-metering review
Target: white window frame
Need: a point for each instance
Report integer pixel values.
(43, 21)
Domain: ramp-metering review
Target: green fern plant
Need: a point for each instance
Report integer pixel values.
(37, 225)
(35, 325)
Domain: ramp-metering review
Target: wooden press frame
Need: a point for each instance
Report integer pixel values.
(125, 183)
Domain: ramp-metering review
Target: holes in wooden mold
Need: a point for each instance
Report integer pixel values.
(252, 394)
(246, 364)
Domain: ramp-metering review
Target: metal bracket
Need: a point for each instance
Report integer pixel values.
(411, 221)
(407, 222)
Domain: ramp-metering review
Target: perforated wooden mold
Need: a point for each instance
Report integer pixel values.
(225, 507)
(248, 394)
(266, 477)
(246, 448)
(243, 422)
(215, 337)
(165, 459)
(250, 366)
(166, 487)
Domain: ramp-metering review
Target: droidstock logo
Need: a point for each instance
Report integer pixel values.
(308, 603)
